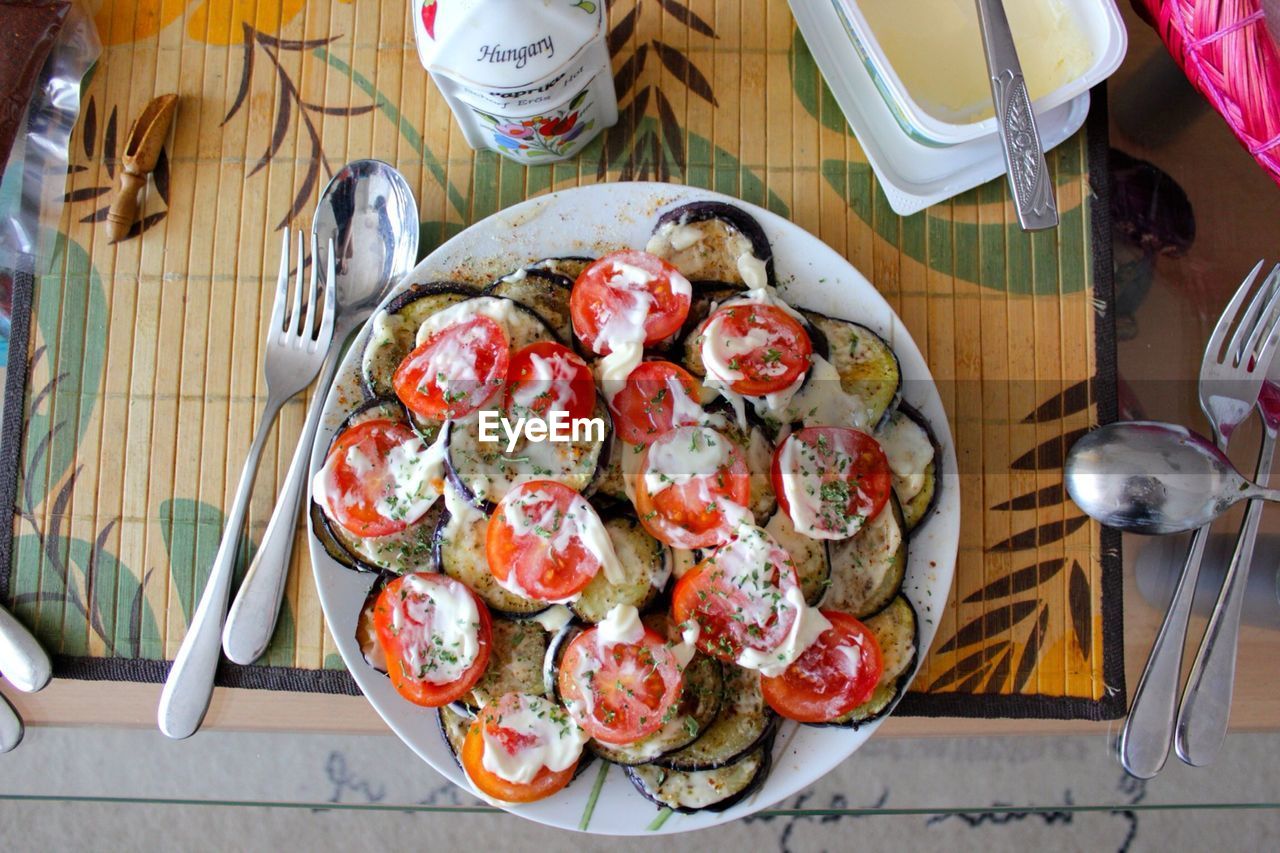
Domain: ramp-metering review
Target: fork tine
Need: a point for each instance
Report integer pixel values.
(1265, 333)
(295, 319)
(1227, 321)
(330, 297)
(309, 327)
(282, 291)
(1236, 349)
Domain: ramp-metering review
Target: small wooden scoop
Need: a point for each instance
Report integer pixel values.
(141, 150)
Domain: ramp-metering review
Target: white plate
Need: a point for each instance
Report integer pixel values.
(591, 221)
(912, 174)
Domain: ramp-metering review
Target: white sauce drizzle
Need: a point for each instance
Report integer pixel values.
(554, 618)
(909, 451)
(444, 617)
(557, 739)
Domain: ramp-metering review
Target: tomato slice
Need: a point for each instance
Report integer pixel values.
(619, 692)
(737, 597)
(657, 396)
(549, 377)
(535, 543)
(833, 676)
(692, 488)
(629, 295)
(436, 636)
(756, 348)
(830, 480)
(455, 371)
(356, 479)
(522, 727)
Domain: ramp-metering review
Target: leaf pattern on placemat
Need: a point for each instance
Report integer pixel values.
(1039, 602)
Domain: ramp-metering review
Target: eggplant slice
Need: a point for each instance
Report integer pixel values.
(867, 570)
(744, 722)
(715, 790)
(543, 292)
(515, 661)
(459, 544)
(813, 566)
(867, 365)
(714, 241)
(367, 634)
(396, 326)
(917, 506)
(897, 631)
(570, 266)
(410, 550)
(483, 472)
(646, 561)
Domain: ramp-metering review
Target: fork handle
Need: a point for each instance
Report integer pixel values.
(252, 618)
(187, 690)
(1148, 731)
(1206, 700)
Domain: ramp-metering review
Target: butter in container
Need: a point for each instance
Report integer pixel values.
(926, 58)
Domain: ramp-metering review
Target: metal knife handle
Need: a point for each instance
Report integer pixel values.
(11, 727)
(252, 618)
(22, 661)
(1029, 179)
(1148, 731)
(187, 690)
(1206, 700)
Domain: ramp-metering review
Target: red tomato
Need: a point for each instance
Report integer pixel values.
(535, 538)
(830, 480)
(351, 497)
(833, 676)
(455, 371)
(633, 292)
(707, 486)
(657, 396)
(545, 783)
(623, 692)
(549, 377)
(736, 596)
(764, 347)
(420, 655)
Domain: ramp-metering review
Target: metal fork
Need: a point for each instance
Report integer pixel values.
(1231, 377)
(294, 353)
(1206, 700)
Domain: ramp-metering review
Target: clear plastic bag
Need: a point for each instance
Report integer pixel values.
(35, 178)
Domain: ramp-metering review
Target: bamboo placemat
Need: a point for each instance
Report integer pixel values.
(143, 376)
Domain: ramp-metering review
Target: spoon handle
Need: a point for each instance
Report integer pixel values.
(1029, 179)
(1206, 700)
(1148, 730)
(253, 615)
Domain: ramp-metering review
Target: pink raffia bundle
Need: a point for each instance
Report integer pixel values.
(1227, 53)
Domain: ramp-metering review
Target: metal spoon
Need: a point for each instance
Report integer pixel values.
(369, 212)
(1151, 477)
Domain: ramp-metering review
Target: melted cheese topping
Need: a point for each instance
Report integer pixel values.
(621, 625)
(748, 561)
(501, 311)
(699, 454)
(446, 621)
(622, 334)
(415, 479)
(907, 447)
(536, 512)
(554, 618)
(546, 736)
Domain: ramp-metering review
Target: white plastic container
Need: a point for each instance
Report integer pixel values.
(530, 80)
(1098, 21)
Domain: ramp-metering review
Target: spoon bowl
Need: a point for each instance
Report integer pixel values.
(369, 211)
(1154, 478)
